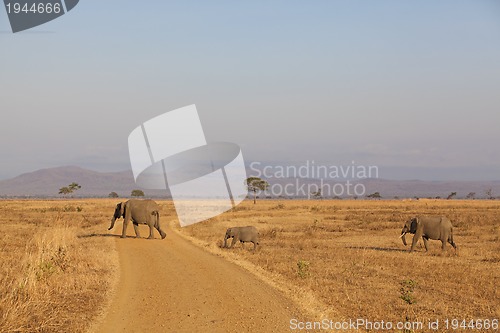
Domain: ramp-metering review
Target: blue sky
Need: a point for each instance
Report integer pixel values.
(409, 86)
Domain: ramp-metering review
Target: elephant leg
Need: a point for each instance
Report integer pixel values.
(418, 234)
(450, 240)
(157, 225)
(425, 243)
(151, 236)
(414, 243)
(125, 224)
(136, 229)
(162, 233)
(254, 245)
(443, 244)
(233, 242)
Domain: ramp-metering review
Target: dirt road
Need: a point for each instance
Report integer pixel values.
(173, 286)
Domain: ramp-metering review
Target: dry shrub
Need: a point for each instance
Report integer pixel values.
(279, 206)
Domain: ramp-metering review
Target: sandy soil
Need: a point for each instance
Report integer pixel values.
(173, 286)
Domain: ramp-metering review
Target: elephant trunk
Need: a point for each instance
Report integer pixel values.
(225, 241)
(112, 223)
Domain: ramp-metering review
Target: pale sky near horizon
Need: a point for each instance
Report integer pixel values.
(412, 87)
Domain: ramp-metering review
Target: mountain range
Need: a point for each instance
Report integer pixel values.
(47, 182)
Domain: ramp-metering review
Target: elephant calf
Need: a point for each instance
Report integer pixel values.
(140, 212)
(429, 227)
(242, 234)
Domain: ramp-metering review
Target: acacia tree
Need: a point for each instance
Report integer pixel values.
(316, 194)
(255, 184)
(113, 195)
(471, 195)
(74, 186)
(137, 193)
(451, 196)
(64, 190)
(375, 195)
(69, 189)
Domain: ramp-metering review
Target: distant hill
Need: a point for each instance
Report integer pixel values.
(47, 182)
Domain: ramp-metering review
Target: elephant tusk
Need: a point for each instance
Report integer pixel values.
(402, 235)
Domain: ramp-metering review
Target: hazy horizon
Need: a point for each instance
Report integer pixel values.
(411, 87)
(398, 174)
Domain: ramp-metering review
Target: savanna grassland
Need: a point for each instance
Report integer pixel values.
(338, 259)
(344, 259)
(56, 266)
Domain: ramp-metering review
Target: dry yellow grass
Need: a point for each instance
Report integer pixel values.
(354, 264)
(55, 270)
(56, 262)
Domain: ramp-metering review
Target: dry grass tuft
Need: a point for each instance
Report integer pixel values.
(53, 277)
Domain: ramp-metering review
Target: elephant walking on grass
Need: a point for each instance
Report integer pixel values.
(140, 212)
(242, 234)
(429, 227)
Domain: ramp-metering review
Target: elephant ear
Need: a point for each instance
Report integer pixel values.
(414, 224)
(122, 209)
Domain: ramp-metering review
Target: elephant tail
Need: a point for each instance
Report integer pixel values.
(157, 218)
(450, 239)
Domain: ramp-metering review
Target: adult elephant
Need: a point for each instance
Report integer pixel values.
(242, 234)
(139, 212)
(429, 227)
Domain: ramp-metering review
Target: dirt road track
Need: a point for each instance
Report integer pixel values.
(173, 286)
